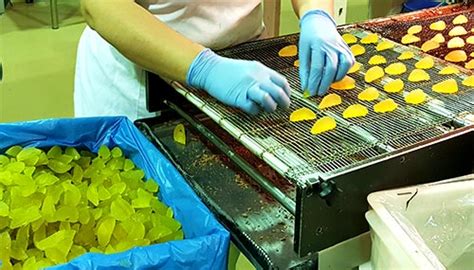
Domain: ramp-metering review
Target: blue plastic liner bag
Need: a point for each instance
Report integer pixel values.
(206, 242)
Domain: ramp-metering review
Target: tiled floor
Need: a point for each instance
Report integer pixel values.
(38, 62)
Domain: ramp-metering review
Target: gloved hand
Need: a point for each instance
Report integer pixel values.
(324, 56)
(247, 85)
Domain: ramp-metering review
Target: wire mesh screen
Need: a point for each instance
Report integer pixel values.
(396, 27)
(355, 140)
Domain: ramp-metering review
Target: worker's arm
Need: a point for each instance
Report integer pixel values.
(139, 36)
(324, 56)
(151, 44)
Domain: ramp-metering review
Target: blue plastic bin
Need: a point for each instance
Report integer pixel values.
(206, 242)
(414, 5)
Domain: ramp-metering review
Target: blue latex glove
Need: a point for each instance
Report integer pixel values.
(324, 56)
(247, 85)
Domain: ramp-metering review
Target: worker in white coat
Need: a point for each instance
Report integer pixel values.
(176, 38)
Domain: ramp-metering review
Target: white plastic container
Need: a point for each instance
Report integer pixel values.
(427, 226)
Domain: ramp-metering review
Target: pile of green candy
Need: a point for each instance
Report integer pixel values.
(57, 205)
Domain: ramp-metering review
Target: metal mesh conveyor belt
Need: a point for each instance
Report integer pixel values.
(396, 27)
(294, 152)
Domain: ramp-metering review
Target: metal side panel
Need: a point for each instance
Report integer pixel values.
(321, 223)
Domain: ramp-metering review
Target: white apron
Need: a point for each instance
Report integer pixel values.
(108, 84)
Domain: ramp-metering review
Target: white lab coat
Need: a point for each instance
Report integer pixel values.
(107, 83)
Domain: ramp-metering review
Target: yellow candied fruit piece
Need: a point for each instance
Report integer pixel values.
(288, 51)
(429, 45)
(105, 230)
(370, 38)
(302, 114)
(416, 96)
(324, 124)
(396, 69)
(448, 70)
(408, 39)
(349, 38)
(456, 42)
(438, 26)
(374, 73)
(394, 86)
(179, 134)
(470, 40)
(356, 110)
(406, 55)
(377, 60)
(357, 49)
(439, 38)
(470, 64)
(330, 101)
(346, 83)
(384, 45)
(469, 81)
(425, 63)
(121, 209)
(296, 63)
(4, 209)
(460, 19)
(356, 67)
(456, 56)
(369, 94)
(449, 86)
(457, 31)
(386, 105)
(418, 75)
(415, 29)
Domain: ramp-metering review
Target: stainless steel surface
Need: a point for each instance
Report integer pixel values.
(294, 152)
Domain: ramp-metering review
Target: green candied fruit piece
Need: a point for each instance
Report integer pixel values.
(62, 239)
(117, 188)
(64, 225)
(121, 209)
(109, 250)
(93, 195)
(35, 225)
(71, 151)
(157, 232)
(48, 208)
(67, 213)
(30, 264)
(128, 165)
(6, 178)
(105, 230)
(22, 237)
(28, 171)
(143, 199)
(95, 250)
(116, 163)
(34, 252)
(56, 255)
(76, 251)
(13, 151)
(4, 222)
(54, 152)
(151, 185)
(119, 232)
(5, 243)
(104, 194)
(58, 166)
(116, 152)
(17, 252)
(84, 162)
(97, 213)
(29, 156)
(84, 215)
(77, 174)
(46, 179)
(4, 209)
(15, 167)
(169, 212)
(72, 195)
(66, 159)
(21, 216)
(135, 229)
(42, 159)
(40, 234)
(104, 152)
(4, 160)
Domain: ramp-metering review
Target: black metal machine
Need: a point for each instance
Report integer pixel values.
(285, 194)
